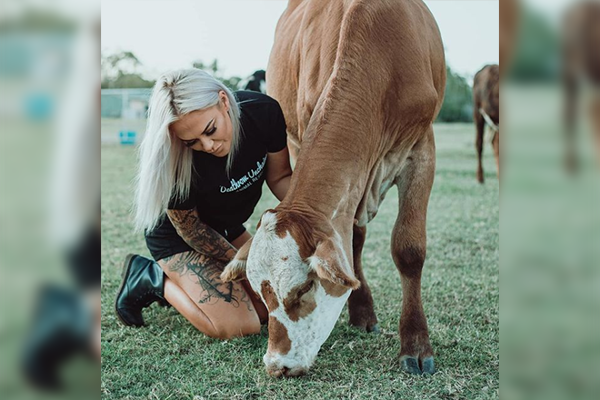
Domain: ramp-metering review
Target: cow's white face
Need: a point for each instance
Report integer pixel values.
(304, 284)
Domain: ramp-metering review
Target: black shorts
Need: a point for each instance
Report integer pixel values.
(165, 242)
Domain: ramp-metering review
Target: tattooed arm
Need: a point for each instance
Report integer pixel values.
(200, 236)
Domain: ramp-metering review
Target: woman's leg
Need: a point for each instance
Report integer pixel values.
(261, 309)
(193, 286)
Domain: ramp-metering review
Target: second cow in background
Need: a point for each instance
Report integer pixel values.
(486, 110)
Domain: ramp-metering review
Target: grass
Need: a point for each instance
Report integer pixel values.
(169, 359)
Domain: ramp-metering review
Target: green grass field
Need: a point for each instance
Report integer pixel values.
(169, 359)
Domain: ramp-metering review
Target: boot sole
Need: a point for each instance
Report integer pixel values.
(124, 273)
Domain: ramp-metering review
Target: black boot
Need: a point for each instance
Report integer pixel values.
(143, 284)
(62, 328)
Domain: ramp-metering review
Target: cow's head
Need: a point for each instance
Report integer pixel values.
(298, 265)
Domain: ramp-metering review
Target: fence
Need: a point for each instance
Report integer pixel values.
(123, 115)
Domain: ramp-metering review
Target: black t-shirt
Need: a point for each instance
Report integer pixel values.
(226, 202)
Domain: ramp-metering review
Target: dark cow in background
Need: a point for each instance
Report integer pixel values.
(486, 111)
(581, 67)
(360, 83)
(256, 82)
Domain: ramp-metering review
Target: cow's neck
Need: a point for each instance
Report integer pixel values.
(330, 178)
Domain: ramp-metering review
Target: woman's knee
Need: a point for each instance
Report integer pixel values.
(232, 328)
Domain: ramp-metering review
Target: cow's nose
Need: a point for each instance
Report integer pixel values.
(287, 372)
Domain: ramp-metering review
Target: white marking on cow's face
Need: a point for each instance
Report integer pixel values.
(277, 260)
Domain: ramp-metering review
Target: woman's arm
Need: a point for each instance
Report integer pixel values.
(279, 172)
(200, 236)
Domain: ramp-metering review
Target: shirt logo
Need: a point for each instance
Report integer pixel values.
(248, 179)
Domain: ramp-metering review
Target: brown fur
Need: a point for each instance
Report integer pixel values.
(269, 296)
(300, 224)
(409, 244)
(300, 302)
(581, 62)
(509, 21)
(486, 97)
(331, 266)
(360, 83)
(360, 303)
(279, 341)
(333, 289)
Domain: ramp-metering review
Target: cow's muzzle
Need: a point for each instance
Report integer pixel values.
(286, 372)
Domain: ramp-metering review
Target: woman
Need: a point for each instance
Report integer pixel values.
(203, 161)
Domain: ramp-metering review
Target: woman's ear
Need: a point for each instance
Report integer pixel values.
(224, 100)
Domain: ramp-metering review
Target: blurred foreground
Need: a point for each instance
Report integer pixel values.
(550, 223)
(49, 199)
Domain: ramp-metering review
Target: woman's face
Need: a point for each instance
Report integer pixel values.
(206, 130)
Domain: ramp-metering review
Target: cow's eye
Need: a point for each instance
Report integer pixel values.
(305, 289)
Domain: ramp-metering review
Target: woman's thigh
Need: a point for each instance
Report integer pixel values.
(199, 276)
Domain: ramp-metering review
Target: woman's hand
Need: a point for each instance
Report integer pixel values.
(279, 173)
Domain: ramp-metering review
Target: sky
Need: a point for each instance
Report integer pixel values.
(171, 34)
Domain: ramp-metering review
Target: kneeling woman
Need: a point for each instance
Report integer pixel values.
(203, 161)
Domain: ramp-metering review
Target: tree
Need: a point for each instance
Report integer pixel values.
(537, 52)
(232, 82)
(120, 70)
(458, 101)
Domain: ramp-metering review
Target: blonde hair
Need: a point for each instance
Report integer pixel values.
(165, 163)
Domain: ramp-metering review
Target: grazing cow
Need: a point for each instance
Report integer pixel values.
(360, 83)
(486, 110)
(581, 65)
(256, 82)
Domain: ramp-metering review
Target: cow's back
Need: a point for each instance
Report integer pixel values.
(307, 38)
(382, 51)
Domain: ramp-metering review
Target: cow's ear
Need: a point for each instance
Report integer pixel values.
(236, 269)
(330, 262)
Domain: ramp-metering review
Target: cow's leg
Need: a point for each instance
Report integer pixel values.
(408, 252)
(360, 303)
(496, 146)
(480, 129)
(595, 112)
(571, 94)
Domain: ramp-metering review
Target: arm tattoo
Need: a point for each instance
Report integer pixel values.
(200, 236)
(206, 272)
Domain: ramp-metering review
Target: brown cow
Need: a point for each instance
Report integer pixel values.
(360, 83)
(509, 21)
(486, 110)
(581, 64)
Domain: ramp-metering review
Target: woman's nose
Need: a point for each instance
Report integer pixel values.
(207, 144)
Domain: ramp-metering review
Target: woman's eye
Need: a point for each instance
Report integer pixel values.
(210, 132)
(190, 143)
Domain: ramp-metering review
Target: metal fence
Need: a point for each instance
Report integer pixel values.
(123, 115)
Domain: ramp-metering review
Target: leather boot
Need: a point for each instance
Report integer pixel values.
(62, 328)
(143, 284)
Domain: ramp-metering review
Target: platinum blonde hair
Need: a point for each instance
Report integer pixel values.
(165, 163)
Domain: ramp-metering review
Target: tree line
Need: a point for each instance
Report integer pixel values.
(121, 70)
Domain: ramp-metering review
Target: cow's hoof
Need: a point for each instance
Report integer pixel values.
(411, 365)
(369, 328)
(428, 366)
